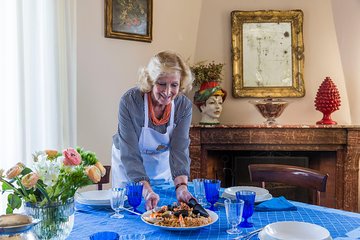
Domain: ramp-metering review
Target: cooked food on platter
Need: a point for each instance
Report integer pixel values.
(181, 216)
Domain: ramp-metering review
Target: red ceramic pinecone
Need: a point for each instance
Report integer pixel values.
(327, 98)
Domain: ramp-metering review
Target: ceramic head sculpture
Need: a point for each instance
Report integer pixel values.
(209, 99)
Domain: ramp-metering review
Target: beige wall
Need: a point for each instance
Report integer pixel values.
(108, 67)
(200, 29)
(322, 57)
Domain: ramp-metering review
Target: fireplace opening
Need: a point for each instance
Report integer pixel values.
(232, 168)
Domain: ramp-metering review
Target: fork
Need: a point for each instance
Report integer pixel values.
(249, 235)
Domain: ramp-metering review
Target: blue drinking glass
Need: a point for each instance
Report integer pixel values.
(134, 194)
(212, 188)
(249, 198)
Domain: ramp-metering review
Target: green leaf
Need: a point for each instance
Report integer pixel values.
(32, 198)
(14, 201)
(6, 186)
(9, 210)
(26, 171)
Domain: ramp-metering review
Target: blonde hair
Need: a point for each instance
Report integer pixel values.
(163, 63)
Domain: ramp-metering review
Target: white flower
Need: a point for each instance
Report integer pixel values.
(48, 170)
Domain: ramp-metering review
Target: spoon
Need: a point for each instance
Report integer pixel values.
(248, 235)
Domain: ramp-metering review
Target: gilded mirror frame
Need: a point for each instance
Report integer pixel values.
(260, 23)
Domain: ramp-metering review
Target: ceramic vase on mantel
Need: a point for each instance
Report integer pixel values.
(327, 100)
(270, 109)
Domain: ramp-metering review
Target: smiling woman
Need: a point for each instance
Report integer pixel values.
(152, 139)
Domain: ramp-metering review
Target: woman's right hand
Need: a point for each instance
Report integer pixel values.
(151, 198)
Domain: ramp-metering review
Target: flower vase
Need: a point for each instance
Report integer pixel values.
(57, 219)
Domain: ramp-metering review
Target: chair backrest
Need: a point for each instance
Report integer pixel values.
(292, 175)
(105, 179)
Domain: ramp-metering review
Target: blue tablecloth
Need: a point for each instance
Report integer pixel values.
(341, 224)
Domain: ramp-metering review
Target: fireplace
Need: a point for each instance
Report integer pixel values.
(219, 151)
(232, 170)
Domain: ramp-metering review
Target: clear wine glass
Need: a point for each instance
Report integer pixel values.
(199, 190)
(117, 201)
(234, 211)
(249, 198)
(134, 193)
(212, 188)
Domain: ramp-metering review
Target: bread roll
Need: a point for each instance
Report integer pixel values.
(11, 220)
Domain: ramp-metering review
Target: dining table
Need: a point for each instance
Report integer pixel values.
(342, 225)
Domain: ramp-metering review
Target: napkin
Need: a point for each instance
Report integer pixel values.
(275, 204)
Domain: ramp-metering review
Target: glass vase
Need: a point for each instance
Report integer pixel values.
(57, 219)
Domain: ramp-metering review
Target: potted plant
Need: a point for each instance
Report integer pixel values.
(211, 72)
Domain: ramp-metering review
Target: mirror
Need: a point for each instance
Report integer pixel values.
(267, 53)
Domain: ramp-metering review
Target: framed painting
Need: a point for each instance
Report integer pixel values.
(129, 19)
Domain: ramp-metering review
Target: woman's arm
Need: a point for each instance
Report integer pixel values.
(180, 140)
(179, 150)
(128, 130)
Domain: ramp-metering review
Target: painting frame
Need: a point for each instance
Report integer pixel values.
(129, 19)
(296, 86)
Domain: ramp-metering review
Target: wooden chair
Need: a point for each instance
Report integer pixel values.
(105, 179)
(292, 175)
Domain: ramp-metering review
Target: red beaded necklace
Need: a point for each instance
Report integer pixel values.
(165, 117)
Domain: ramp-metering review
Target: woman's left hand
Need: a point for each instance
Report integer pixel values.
(183, 194)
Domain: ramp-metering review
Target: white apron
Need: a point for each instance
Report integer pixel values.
(154, 149)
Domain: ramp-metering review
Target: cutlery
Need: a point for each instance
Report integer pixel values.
(130, 211)
(219, 204)
(249, 235)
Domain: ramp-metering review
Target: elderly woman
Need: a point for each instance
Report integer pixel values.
(209, 100)
(151, 144)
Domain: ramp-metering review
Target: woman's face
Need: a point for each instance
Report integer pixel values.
(166, 88)
(212, 107)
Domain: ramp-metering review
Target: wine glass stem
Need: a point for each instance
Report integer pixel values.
(234, 227)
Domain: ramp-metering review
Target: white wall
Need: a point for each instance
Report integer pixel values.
(346, 18)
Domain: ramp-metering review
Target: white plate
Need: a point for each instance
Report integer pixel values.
(262, 236)
(212, 214)
(264, 198)
(261, 193)
(292, 230)
(96, 197)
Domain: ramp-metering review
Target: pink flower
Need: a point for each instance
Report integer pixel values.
(71, 157)
(15, 171)
(30, 180)
(93, 173)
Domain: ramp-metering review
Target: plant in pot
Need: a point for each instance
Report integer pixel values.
(210, 95)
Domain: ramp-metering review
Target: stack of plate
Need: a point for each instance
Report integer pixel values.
(294, 231)
(261, 193)
(94, 198)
